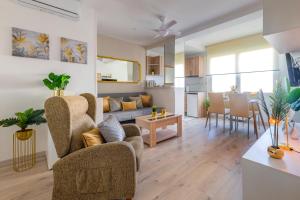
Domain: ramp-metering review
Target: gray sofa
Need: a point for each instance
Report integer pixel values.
(125, 116)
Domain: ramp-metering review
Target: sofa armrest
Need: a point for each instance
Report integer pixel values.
(107, 169)
(131, 130)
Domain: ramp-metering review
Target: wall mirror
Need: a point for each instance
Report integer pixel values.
(118, 70)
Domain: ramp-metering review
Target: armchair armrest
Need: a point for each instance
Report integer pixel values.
(131, 130)
(107, 169)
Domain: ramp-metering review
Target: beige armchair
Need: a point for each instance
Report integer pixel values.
(102, 172)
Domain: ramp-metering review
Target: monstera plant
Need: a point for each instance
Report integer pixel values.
(294, 98)
(57, 82)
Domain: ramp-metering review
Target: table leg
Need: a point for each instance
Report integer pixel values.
(152, 135)
(179, 126)
(254, 121)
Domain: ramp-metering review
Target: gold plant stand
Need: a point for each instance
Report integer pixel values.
(24, 150)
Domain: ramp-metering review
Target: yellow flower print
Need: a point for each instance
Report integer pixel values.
(19, 38)
(68, 54)
(43, 38)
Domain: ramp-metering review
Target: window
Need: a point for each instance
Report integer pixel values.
(222, 69)
(260, 64)
(249, 71)
(253, 82)
(179, 76)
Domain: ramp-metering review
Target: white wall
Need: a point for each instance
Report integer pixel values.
(163, 97)
(21, 78)
(120, 49)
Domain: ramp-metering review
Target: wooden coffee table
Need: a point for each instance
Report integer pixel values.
(159, 122)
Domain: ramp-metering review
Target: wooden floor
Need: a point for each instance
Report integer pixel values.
(199, 165)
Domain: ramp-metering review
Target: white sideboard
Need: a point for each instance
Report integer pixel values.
(267, 178)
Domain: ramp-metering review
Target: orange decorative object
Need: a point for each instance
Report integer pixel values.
(273, 121)
(276, 153)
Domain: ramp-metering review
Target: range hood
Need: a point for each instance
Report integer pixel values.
(281, 24)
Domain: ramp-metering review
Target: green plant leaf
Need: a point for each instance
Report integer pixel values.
(8, 122)
(293, 95)
(24, 119)
(52, 76)
(48, 84)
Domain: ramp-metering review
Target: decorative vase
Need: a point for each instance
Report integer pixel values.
(58, 93)
(163, 112)
(24, 135)
(275, 152)
(24, 150)
(154, 114)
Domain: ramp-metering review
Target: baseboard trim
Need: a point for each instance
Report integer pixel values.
(39, 156)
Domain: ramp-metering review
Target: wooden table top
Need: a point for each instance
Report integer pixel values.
(149, 118)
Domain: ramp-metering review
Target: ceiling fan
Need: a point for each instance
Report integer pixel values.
(165, 28)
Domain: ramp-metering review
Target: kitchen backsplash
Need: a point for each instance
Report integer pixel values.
(195, 84)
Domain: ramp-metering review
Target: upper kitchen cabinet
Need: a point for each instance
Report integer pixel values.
(281, 24)
(155, 60)
(194, 66)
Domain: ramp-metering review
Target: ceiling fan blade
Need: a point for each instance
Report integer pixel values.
(169, 24)
(156, 30)
(157, 36)
(166, 34)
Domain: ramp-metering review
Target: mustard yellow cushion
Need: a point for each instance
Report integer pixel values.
(129, 105)
(92, 138)
(106, 104)
(146, 100)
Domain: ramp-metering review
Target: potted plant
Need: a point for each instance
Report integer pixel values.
(278, 112)
(57, 83)
(154, 111)
(24, 139)
(206, 105)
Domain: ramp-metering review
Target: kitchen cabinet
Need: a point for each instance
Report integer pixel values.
(195, 104)
(153, 65)
(194, 66)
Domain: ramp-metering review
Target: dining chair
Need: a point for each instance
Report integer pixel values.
(217, 106)
(239, 108)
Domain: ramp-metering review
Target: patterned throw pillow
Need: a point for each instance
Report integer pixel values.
(115, 104)
(138, 100)
(106, 104)
(92, 138)
(129, 105)
(147, 100)
(111, 129)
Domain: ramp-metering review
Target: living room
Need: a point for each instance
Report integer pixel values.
(149, 100)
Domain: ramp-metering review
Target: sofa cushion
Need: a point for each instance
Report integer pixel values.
(138, 100)
(138, 145)
(106, 104)
(115, 104)
(147, 100)
(92, 138)
(129, 105)
(111, 129)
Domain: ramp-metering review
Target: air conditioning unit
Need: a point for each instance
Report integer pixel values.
(64, 8)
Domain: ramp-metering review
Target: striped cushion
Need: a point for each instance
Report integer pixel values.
(115, 104)
(138, 101)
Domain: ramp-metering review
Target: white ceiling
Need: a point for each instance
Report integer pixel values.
(243, 26)
(133, 20)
